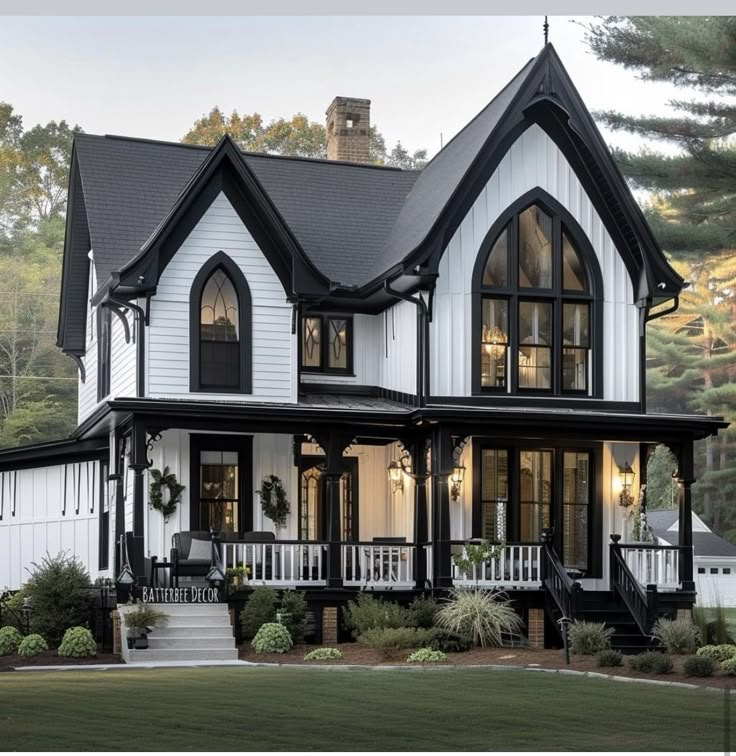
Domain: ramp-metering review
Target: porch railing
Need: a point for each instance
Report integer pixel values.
(565, 593)
(651, 564)
(278, 563)
(518, 565)
(378, 565)
(640, 601)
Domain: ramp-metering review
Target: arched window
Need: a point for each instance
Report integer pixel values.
(538, 289)
(220, 328)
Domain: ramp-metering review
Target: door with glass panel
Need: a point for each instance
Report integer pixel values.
(313, 524)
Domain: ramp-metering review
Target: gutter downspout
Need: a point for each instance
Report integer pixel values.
(422, 338)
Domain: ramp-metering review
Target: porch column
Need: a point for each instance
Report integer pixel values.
(685, 478)
(138, 464)
(441, 470)
(419, 463)
(334, 444)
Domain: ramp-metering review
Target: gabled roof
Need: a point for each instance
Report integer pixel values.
(354, 226)
(663, 523)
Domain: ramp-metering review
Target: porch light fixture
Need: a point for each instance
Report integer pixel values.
(456, 481)
(126, 576)
(495, 342)
(626, 476)
(395, 477)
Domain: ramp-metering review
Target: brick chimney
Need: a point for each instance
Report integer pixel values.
(348, 130)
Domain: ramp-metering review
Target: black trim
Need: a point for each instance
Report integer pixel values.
(324, 368)
(222, 261)
(515, 401)
(562, 221)
(103, 553)
(243, 445)
(53, 453)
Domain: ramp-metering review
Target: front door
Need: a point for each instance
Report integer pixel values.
(312, 500)
(221, 483)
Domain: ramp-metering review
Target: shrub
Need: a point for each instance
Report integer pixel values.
(676, 636)
(272, 638)
(32, 645)
(423, 611)
(729, 666)
(389, 639)
(294, 614)
(699, 666)
(11, 606)
(449, 642)
(718, 653)
(713, 631)
(486, 616)
(10, 639)
(368, 612)
(651, 661)
(427, 656)
(588, 638)
(610, 658)
(259, 609)
(323, 654)
(78, 643)
(58, 589)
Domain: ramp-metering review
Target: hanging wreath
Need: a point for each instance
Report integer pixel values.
(159, 481)
(274, 503)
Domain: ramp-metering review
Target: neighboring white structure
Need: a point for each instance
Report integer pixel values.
(714, 558)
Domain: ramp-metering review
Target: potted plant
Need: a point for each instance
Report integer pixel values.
(237, 576)
(140, 621)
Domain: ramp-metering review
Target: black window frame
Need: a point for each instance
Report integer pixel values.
(513, 448)
(324, 347)
(104, 351)
(222, 262)
(562, 222)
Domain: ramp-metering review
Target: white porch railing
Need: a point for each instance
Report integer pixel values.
(518, 566)
(373, 565)
(278, 563)
(653, 565)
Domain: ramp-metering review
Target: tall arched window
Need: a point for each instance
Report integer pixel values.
(537, 289)
(220, 329)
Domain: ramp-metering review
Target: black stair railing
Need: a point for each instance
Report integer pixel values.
(641, 602)
(566, 593)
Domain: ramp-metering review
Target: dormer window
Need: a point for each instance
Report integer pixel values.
(327, 343)
(537, 300)
(220, 329)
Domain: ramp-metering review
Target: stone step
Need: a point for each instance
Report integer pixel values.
(175, 609)
(192, 620)
(193, 631)
(161, 642)
(183, 654)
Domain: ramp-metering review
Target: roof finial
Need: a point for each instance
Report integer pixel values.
(546, 30)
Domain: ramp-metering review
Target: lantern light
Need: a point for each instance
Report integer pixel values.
(626, 476)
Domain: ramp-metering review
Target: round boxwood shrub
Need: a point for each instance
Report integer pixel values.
(699, 666)
(32, 645)
(427, 656)
(651, 661)
(610, 658)
(323, 654)
(718, 653)
(78, 643)
(10, 639)
(449, 642)
(729, 666)
(272, 638)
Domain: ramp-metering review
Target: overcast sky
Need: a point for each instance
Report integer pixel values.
(426, 76)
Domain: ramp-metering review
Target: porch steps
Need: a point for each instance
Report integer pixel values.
(193, 632)
(603, 606)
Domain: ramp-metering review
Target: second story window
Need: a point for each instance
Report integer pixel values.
(327, 343)
(537, 302)
(220, 329)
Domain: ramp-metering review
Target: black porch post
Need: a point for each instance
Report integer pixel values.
(421, 533)
(441, 470)
(138, 464)
(686, 477)
(334, 444)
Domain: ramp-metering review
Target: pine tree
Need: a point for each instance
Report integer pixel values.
(691, 354)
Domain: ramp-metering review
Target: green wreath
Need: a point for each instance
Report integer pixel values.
(155, 491)
(274, 503)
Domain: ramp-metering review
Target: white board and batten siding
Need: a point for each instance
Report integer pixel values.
(384, 351)
(47, 510)
(167, 345)
(534, 160)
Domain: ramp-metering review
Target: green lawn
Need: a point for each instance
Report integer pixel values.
(299, 709)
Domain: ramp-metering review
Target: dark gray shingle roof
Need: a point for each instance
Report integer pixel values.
(704, 544)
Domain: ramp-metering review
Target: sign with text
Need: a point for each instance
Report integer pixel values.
(188, 595)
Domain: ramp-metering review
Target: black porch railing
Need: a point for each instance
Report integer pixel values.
(641, 602)
(565, 593)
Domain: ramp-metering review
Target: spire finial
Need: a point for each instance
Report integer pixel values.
(546, 30)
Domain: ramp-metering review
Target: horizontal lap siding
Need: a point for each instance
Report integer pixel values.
(36, 520)
(274, 346)
(533, 160)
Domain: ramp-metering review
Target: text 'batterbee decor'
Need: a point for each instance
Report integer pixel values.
(187, 595)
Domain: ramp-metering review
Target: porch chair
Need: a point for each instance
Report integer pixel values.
(191, 554)
(389, 568)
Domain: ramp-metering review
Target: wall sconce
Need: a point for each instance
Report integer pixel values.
(395, 477)
(456, 481)
(626, 476)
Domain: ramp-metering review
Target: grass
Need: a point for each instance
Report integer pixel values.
(239, 709)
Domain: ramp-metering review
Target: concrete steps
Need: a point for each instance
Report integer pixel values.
(193, 632)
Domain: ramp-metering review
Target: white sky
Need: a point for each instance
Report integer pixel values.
(153, 76)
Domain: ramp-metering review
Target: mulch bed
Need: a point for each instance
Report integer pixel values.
(354, 653)
(7, 663)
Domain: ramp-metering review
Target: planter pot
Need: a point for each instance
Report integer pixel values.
(140, 642)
